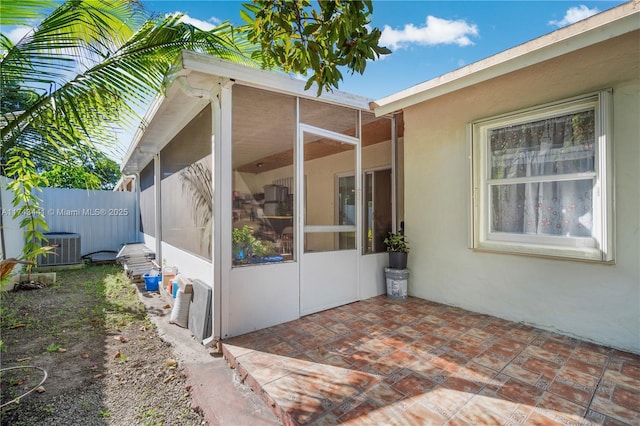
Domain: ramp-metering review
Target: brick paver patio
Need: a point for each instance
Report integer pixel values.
(415, 362)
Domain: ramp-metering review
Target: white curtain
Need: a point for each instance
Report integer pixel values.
(558, 148)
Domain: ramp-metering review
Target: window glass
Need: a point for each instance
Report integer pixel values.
(562, 208)
(558, 145)
(377, 209)
(329, 241)
(377, 181)
(263, 198)
(327, 202)
(540, 190)
(147, 201)
(336, 118)
(555, 146)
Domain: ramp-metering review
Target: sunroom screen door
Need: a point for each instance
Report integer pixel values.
(329, 258)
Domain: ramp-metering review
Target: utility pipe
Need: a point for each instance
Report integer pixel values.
(158, 206)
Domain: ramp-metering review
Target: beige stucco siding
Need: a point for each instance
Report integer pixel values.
(594, 301)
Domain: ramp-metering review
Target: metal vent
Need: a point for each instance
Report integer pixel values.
(66, 249)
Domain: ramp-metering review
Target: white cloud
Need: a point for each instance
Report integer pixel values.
(435, 31)
(16, 34)
(198, 23)
(215, 21)
(575, 14)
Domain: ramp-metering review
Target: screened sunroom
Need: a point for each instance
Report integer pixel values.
(277, 199)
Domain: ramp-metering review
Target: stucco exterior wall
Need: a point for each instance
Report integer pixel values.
(592, 301)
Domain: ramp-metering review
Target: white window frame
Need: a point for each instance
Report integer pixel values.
(600, 247)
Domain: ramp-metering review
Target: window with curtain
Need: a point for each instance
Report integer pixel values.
(541, 181)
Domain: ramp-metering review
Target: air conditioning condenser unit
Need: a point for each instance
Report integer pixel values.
(66, 249)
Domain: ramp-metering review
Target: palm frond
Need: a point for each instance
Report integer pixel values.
(20, 12)
(93, 73)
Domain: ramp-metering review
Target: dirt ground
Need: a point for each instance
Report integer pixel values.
(104, 360)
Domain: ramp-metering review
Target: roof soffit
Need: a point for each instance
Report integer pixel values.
(163, 121)
(268, 80)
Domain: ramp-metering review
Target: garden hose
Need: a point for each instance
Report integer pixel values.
(17, 399)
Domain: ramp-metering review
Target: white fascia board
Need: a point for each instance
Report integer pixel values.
(598, 28)
(268, 80)
(166, 116)
(137, 137)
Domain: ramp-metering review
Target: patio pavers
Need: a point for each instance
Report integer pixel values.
(403, 362)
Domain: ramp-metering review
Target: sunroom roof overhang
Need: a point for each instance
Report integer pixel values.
(169, 113)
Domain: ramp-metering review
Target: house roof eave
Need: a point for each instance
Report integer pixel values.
(132, 155)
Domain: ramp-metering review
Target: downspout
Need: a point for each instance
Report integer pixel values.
(394, 173)
(158, 206)
(137, 191)
(216, 262)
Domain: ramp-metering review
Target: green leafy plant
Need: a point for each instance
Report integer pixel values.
(397, 242)
(25, 182)
(53, 347)
(71, 176)
(111, 58)
(47, 409)
(245, 245)
(300, 37)
(149, 416)
(264, 248)
(243, 242)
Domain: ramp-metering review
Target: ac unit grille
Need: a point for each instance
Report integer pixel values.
(66, 249)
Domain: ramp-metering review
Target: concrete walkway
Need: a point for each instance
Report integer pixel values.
(216, 388)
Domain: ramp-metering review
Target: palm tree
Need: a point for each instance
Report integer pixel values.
(86, 70)
(88, 67)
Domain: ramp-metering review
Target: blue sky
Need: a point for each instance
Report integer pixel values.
(428, 38)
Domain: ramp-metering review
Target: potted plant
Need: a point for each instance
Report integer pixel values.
(249, 249)
(398, 248)
(243, 242)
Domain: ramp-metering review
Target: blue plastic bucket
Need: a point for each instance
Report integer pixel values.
(151, 283)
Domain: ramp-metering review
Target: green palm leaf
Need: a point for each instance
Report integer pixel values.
(17, 12)
(93, 65)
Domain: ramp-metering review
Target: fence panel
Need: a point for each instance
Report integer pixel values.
(12, 234)
(105, 220)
